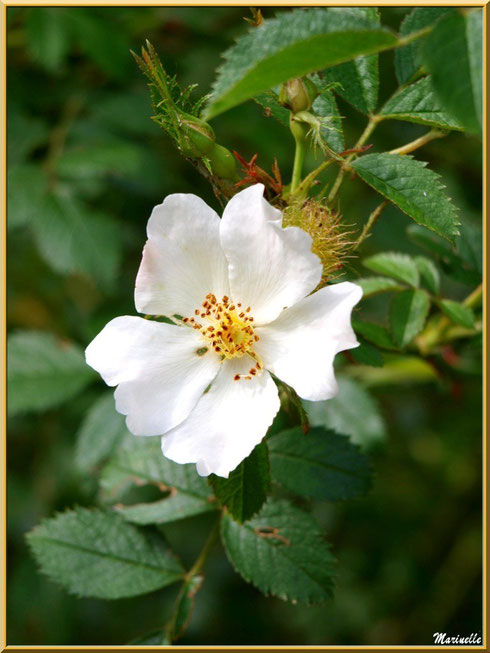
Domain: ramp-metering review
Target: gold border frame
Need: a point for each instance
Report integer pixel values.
(3, 358)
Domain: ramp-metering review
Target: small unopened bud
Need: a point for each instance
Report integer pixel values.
(196, 137)
(223, 163)
(298, 94)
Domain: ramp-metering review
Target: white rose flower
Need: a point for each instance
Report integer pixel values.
(239, 288)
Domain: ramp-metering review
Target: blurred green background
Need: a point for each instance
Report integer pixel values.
(78, 116)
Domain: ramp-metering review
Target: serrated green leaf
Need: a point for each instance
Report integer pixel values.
(97, 554)
(352, 412)
(417, 103)
(174, 507)
(458, 313)
(43, 371)
(245, 490)
(282, 552)
(415, 189)
(408, 312)
(429, 274)
(453, 55)
(72, 238)
(321, 464)
(141, 461)
(292, 45)
(326, 107)
(272, 107)
(396, 265)
(375, 285)
(367, 354)
(102, 429)
(26, 186)
(375, 333)
(358, 79)
(359, 82)
(408, 59)
(48, 36)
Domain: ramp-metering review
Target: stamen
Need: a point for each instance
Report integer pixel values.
(228, 332)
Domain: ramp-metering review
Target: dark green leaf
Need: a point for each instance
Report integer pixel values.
(48, 36)
(457, 263)
(359, 82)
(429, 274)
(321, 464)
(429, 241)
(175, 506)
(458, 313)
(453, 56)
(358, 79)
(24, 134)
(100, 432)
(375, 333)
(352, 412)
(97, 554)
(26, 185)
(375, 285)
(72, 238)
(272, 107)
(116, 158)
(43, 371)
(245, 490)
(141, 461)
(408, 313)
(415, 189)
(418, 103)
(396, 265)
(282, 552)
(367, 354)
(408, 59)
(292, 45)
(91, 32)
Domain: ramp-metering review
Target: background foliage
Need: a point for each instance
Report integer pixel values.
(78, 119)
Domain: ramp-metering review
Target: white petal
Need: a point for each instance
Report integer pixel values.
(182, 259)
(299, 347)
(227, 423)
(269, 267)
(159, 372)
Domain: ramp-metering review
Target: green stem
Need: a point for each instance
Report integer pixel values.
(299, 157)
(474, 299)
(193, 571)
(372, 220)
(418, 142)
(205, 551)
(373, 121)
(438, 330)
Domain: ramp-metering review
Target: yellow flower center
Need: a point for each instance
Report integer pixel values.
(227, 329)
